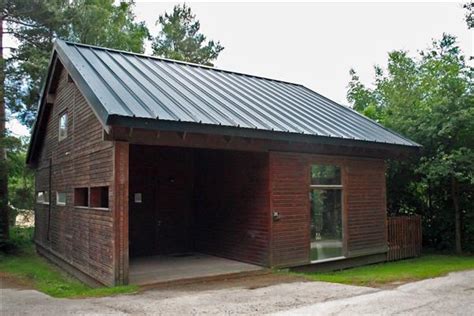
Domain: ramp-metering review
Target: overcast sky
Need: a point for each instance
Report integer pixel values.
(315, 44)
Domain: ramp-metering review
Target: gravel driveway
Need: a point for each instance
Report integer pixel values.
(453, 294)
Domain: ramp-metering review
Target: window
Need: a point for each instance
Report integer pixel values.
(100, 197)
(60, 198)
(326, 212)
(81, 197)
(63, 126)
(42, 197)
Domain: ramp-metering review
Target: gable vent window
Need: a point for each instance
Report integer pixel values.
(63, 126)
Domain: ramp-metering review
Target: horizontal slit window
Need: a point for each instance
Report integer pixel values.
(81, 197)
(61, 198)
(42, 197)
(100, 197)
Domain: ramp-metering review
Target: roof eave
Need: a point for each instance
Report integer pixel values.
(192, 127)
(36, 125)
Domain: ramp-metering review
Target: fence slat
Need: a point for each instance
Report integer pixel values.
(404, 237)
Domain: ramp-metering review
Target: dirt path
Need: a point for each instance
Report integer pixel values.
(9, 282)
(452, 294)
(256, 295)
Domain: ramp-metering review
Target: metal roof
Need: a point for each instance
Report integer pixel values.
(124, 87)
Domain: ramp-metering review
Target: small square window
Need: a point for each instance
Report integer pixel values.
(60, 198)
(63, 126)
(42, 197)
(100, 197)
(81, 197)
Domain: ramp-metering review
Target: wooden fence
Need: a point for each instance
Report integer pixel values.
(404, 237)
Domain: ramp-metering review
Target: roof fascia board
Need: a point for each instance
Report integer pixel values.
(82, 85)
(191, 127)
(41, 104)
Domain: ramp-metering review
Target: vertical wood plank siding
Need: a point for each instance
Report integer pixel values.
(83, 237)
(290, 198)
(404, 237)
(364, 210)
(232, 209)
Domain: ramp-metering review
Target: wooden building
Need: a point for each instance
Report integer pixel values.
(139, 156)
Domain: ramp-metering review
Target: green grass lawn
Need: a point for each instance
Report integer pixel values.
(31, 270)
(427, 266)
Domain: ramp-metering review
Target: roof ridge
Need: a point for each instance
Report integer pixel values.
(174, 61)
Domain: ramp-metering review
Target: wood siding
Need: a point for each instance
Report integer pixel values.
(161, 223)
(232, 205)
(364, 213)
(83, 237)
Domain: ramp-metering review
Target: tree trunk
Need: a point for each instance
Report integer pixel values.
(457, 214)
(4, 233)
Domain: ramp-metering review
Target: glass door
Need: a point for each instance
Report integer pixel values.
(326, 212)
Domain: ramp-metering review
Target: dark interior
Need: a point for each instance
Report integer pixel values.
(198, 200)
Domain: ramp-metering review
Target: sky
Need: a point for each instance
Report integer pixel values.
(315, 44)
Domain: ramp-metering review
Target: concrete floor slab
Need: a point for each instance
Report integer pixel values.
(188, 266)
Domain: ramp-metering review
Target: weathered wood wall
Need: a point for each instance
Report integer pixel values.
(364, 213)
(232, 205)
(83, 237)
(404, 237)
(161, 223)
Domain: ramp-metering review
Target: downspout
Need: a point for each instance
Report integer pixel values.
(48, 232)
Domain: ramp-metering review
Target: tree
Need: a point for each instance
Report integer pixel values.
(180, 39)
(20, 177)
(4, 231)
(469, 14)
(102, 23)
(35, 24)
(431, 100)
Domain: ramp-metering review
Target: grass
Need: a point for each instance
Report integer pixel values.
(424, 267)
(26, 267)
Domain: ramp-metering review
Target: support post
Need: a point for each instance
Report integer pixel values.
(121, 181)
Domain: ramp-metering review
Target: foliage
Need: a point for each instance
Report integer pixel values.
(102, 23)
(36, 23)
(424, 267)
(180, 39)
(33, 270)
(20, 177)
(469, 14)
(430, 100)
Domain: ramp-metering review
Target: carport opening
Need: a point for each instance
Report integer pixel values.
(197, 209)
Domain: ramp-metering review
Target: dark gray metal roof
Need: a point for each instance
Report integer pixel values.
(126, 89)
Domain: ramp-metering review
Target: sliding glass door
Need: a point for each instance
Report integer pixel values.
(326, 212)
